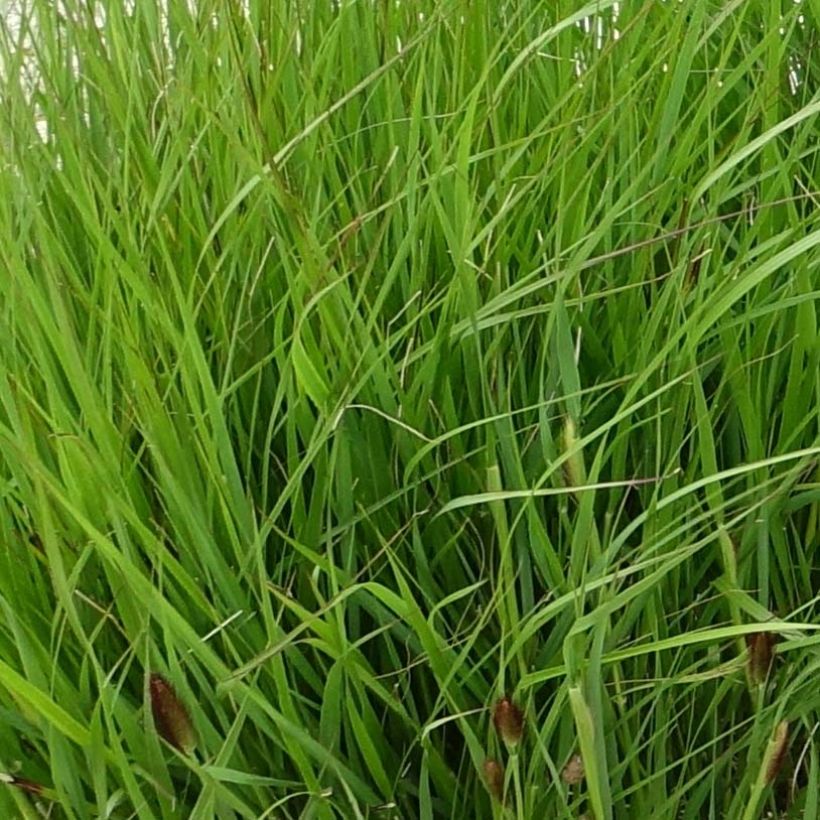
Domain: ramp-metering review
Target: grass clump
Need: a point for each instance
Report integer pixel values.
(363, 362)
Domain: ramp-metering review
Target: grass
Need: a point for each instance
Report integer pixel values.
(363, 363)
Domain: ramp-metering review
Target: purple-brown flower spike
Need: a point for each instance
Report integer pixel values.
(761, 649)
(171, 718)
(509, 721)
(494, 778)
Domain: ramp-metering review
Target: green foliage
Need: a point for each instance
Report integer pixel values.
(363, 363)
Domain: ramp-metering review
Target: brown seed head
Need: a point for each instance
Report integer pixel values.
(573, 772)
(509, 721)
(761, 650)
(171, 718)
(494, 778)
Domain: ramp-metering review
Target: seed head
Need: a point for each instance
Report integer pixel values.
(573, 772)
(494, 778)
(509, 721)
(761, 650)
(171, 718)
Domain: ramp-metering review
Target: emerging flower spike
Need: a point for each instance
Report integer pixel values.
(509, 721)
(574, 470)
(171, 718)
(776, 751)
(494, 777)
